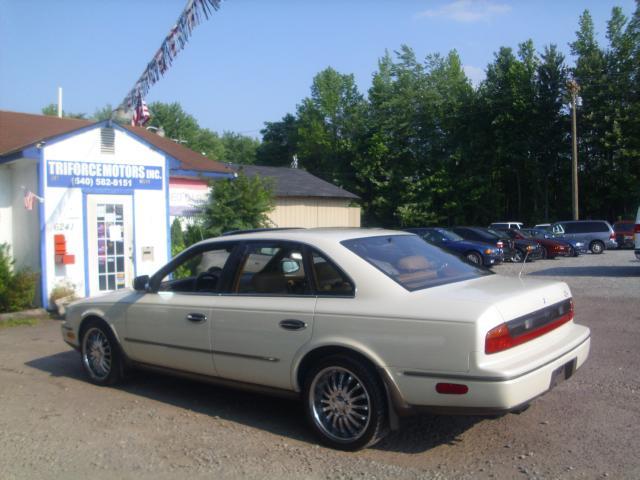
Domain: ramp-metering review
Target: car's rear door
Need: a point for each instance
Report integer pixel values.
(266, 315)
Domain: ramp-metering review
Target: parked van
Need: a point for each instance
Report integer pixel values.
(597, 234)
(636, 234)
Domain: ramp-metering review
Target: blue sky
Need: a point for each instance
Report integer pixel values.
(253, 61)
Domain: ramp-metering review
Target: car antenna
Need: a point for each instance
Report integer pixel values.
(524, 262)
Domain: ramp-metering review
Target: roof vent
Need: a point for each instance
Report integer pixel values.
(107, 140)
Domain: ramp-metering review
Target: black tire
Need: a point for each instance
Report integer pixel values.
(474, 257)
(355, 399)
(596, 247)
(100, 354)
(545, 253)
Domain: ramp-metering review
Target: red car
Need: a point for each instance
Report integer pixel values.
(624, 233)
(550, 248)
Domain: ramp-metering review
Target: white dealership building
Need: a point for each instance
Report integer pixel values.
(88, 204)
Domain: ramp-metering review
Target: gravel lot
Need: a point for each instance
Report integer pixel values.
(53, 424)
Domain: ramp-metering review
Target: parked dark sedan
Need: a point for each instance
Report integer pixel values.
(481, 253)
(514, 250)
(578, 247)
(550, 248)
(478, 234)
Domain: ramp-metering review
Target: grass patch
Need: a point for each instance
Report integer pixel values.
(18, 322)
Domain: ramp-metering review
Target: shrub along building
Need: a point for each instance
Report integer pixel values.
(89, 204)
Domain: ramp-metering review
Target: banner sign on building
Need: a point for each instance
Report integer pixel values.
(99, 175)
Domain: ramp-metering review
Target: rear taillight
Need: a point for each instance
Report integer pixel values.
(451, 388)
(502, 337)
(636, 229)
(612, 236)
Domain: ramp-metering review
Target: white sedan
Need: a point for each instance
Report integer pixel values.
(362, 325)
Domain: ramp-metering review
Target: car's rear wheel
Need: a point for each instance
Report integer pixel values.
(100, 353)
(545, 252)
(596, 247)
(345, 403)
(474, 257)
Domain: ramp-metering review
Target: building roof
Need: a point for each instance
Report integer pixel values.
(294, 182)
(21, 130)
(189, 159)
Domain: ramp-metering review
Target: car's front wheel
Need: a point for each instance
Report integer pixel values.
(518, 256)
(345, 403)
(100, 353)
(474, 257)
(596, 247)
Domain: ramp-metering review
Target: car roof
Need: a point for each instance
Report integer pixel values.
(306, 235)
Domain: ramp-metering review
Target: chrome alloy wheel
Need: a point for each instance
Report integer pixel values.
(340, 404)
(96, 353)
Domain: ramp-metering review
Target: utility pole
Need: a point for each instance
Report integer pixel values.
(574, 88)
(59, 102)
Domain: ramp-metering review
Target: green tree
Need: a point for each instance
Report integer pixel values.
(237, 204)
(279, 142)
(329, 124)
(239, 148)
(177, 124)
(52, 111)
(103, 113)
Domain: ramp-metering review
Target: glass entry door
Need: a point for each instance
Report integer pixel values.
(109, 242)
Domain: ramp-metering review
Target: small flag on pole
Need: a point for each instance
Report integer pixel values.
(140, 114)
(29, 198)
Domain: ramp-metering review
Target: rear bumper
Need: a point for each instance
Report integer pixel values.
(487, 395)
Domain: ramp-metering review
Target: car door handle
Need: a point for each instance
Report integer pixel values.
(197, 317)
(293, 324)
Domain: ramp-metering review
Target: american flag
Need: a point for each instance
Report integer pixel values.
(140, 113)
(29, 198)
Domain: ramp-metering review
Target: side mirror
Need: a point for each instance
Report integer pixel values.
(140, 283)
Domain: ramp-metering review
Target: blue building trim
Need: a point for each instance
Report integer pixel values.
(197, 173)
(44, 297)
(133, 240)
(11, 157)
(166, 179)
(85, 242)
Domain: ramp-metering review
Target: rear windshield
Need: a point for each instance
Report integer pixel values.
(623, 227)
(412, 262)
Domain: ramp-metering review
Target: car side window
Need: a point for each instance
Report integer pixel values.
(199, 273)
(557, 229)
(329, 279)
(271, 269)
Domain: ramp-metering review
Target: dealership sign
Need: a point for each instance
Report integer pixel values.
(100, 175)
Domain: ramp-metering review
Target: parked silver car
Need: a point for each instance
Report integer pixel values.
(598, 235)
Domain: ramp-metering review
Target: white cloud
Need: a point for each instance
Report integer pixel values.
(467, 11)
(475, 74)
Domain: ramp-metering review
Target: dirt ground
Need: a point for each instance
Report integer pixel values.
(54, 424)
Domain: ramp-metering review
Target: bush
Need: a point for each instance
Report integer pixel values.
(62, 290)
(17, 288)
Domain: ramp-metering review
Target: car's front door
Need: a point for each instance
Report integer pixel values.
(265, 317)
(172, 327)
